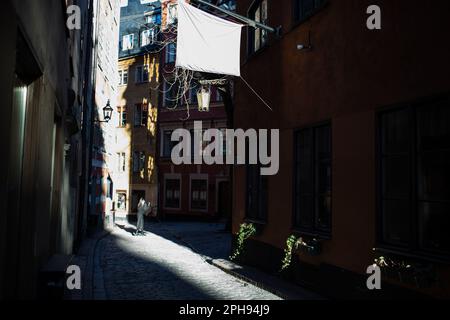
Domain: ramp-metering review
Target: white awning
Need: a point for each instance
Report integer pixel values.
(207, 43)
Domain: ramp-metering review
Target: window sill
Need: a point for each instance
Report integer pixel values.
(321, 236)
(413, 255)
(256, 221)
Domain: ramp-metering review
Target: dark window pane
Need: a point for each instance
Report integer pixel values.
(324, 212)
(305, 167)
(434, 176)
(434, 126)
(434, 221)
(396, 177)
(323, 142)
(257, 194)
(199, 194)
(307, 7)
(313, 179)
(263, 196)
(305, 216)
(396, 222)
(324, 177)
(172, 193)
(395, 133)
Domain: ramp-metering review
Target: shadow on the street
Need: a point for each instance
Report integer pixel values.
(207, 239)
(131, 230)
(133, 276)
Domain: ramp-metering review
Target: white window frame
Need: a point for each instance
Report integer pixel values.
(199, 176)
(172, 13)
(173, 176)
(130, 42)
(121, 165)
(149, 36)
(122, 73)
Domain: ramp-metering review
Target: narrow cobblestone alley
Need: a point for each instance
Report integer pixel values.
(161, 266)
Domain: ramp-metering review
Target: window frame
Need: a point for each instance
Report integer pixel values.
(140, 118)
(122, 77)
(413, 249)
(171, 53)
(151, 37)
(121, 192)
(163, 142)
(139, 76)
(298, 20)
(314, 231)
(172, 14)
(203, 178)
(121, 166)
(123, 117)
(262, 216)
(173, 177)
(139, 158)
(131, 41)
(251, 32)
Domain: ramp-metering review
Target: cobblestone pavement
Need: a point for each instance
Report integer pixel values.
(161, 266)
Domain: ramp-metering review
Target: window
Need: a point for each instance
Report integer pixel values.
(193, 93)
(172, 13)
(138, 161)
(312, 178)
(123, 3)
(123, 77)
(128, 42)
(256, 194)
(121, 162)
(122, 116)
(171, 53)
(168, 144)
(203, 142)
(414, 178)
(303, 9)
(153, 19)
(225, 148)
(141, 115)
(122, 201)
(258, 37)
(172, 193)
(199, 194)
(142, 74)
(218, 96)
(147, 37)
(171, 94)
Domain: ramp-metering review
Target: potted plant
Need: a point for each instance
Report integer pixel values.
(295, 244)
(418, 273)
(246, 230)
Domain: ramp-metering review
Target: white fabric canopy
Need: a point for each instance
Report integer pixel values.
(207, 43)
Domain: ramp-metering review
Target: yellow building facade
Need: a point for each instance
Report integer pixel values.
(134, 173)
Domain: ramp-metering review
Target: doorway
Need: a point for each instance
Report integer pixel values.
(136, 195)
(224, 200)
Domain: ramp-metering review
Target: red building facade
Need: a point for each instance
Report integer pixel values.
(187, 190)
(364, 129)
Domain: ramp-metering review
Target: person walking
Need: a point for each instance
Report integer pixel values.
(142, 209)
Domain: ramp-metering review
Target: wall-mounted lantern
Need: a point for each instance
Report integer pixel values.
(107, 113)
(204, 98)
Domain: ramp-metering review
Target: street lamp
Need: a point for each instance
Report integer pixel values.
(107, 113)
(204, 98)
